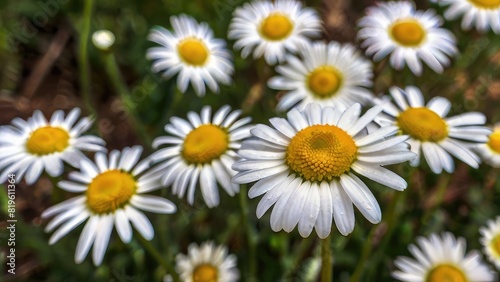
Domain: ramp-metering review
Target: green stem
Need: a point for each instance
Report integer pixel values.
(326, 259)
(365, 253)
(157, 256)
(83, 60)
(252, 239)
(122, 90)
(444, 180)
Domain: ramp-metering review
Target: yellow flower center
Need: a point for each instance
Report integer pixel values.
(486, 4)
(446, 273)
(494, 141)
(408, 32)
(110, 191)
(495, 245)
(47, 140)
(204, 144)
(321, 152)
(324, 81)
(422, 124)
(205, 273)
(276, 27)
(193, 51)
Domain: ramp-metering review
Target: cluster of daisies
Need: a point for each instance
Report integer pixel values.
(309, 166)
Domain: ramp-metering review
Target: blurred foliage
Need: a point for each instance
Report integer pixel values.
(472, 83)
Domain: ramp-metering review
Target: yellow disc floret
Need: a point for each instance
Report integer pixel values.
(321, 152)
(494, 141)
(193, 51)
(486, 4)
(408, 32)
(276, 27)
(110, 191)
(324, 81)
(205, 273)
(422, 124)
(495, 246)
(204, 144)
(446, 273)
(47, 140)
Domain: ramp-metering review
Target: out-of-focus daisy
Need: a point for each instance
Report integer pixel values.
(191, 51)
(490, 151)
(207, 263)
(490, 238)
(203, 149)
(113, 194)
(270, 28)
(329, 74)
(430, 132)
(28, 147)
(484, 14)
(305, 167)
(442, 258)
(409, 36)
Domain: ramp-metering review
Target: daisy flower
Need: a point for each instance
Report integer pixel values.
(270, 28)
(192, 52)
(431, 133)
(114, 192)
(490, 239)
(207, 263)
(203, 149)
(409, 36)
(490, 151)
(484, 14)
(441, 258)
(305, 167)
(29, 147)
(330, 74)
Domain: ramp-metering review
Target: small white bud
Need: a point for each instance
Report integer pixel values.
(103, 39)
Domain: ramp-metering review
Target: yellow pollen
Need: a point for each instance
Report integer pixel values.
(446, 273)
(205, 273)
(193, 51)
(110, 191)
(276, 27)
(321, 152)
(324, 81)
(422, 124)
(204, 144)
(495, 245)
(408, 32)
(486, 4)
(494, 141)
(47, 140)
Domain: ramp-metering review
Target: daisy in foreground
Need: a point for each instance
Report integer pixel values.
(27, 148)
(490, 152)
(270, 28)
(409, 36)
(490, 239)
(193, 53)
(481, 13)
(328, 74)
(207, 263)
(114, 191)
(442, 258)
(305, 167)
(431, 133)
(203, 149)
